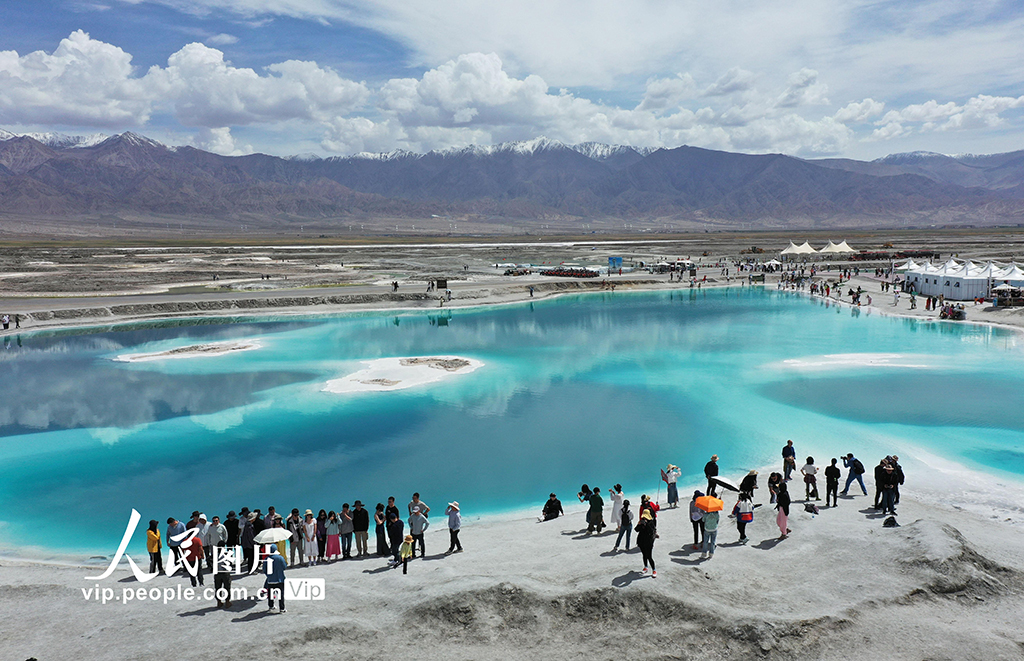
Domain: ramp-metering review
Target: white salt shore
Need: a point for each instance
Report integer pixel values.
(386, 374)
(206, 350)
(830, 362)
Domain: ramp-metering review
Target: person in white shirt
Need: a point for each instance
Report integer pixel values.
(810, 481)
(202, 532)
(672, 474)
(615, 494)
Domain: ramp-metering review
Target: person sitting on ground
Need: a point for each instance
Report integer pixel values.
(552, 508)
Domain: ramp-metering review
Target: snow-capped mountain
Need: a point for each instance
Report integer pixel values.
(58, 140)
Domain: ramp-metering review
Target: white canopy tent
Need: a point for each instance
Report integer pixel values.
(830, 248)
(806, 249)
(791, 249)
(961, 281)
(844, 247)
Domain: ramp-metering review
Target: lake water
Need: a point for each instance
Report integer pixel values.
(597, 388)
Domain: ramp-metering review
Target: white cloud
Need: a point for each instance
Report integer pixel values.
(732, 81)
(668, 93)
(982, 111)
(220, 141)
(222, 39)
(859, 111)
(804, 90)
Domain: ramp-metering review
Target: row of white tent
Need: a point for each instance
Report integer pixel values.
(806, 249)
(960, 280)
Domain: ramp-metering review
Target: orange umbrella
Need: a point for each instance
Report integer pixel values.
(710, 504)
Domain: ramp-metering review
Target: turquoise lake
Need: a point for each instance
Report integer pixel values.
(597, 388)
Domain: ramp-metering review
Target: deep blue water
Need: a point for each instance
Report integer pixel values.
(593, 388)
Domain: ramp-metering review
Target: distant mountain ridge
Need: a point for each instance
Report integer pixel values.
(128, 173)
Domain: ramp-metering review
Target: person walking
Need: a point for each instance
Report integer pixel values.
(782, 504)
(333, 536)
(672, 474)
(788, 460)
(274, 571)
(697, 519)
(596, 515)
(153, 545)
(418, 525)
(361, 527)
(645, 534)
(744, 515)
(247, 539)
(310, 543)
(345, 518)
(832, 475)
(810, 472)
(624, 517)
(710, 471)
(223, 559)
(193, 556)
(380, 521)
(856, 473)
(711, 520)
(584, 497)
(454, 526)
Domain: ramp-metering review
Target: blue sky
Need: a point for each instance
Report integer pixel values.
(814, 78)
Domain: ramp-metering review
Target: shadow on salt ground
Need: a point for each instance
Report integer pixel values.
(768, 544)
(627, 578)
(611, 554)
(872, 513)
(199, 612)
(689, 561)
(252, 617)
(378, 570)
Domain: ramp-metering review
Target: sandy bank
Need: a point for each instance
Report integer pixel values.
(387, 374)
(208, 350)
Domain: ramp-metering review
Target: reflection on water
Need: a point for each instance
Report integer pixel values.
(598, 388)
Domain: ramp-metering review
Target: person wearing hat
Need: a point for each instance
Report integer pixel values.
(407, 551)
(749, 483)
(360, 526)
(710, 471)
(454, 526)
(231, 524)
(889, 481)
(247, 539)
(615, 495)
(309, 541)
(671, 475)
(418, 525)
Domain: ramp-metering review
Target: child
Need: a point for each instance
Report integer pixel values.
(405, 553)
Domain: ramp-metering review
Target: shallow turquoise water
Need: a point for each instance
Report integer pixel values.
(594, 388)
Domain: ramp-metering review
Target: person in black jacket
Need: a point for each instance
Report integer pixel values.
(887, 484)
(782, 504)
(832, 475)
(645, 534)
(710, 471)
(879, 470)
(552, 508)
(748, 484)
(396, 535)
(360, 526)
(900, 477)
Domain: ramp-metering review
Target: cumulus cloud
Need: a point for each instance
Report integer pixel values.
(665, 93)
(732, 81)
(220, 141)
(859, 111)
(222, 39)
(982, 111)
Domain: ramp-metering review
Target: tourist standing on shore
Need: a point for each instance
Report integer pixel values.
(294, 526)
(391, 509)
(879, 470)
(321, 534)
(615, 495)
(810, 472)
(744, 515)
(711, 520)
(454, 526)
(596, 517)
(274, 570)
(223, 561)
(788, 460)
(416, 502)
(156, 562)
(418, 525)
(216, 535)
(645, 534)
(396, 531)
(552, 508)
(333, 537)
(361, 527)
(748, 484)
(174, 528)
(624, 517)
(782, 504)
(247, 539)
(231, 524)
(710, 471)
(406, 551)
(672, 474)
(697, 519)
(380, 519)
(309, 539)
(832, 475)
(345, 519)
(900, 478)
(888, 485)
(856, 473)
(193, 552)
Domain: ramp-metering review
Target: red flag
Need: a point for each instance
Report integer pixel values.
(663, 476)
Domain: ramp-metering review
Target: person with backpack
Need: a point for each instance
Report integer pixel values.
(624, 518)
(744, 515)
(810, 472)
(832, 475)
(645, 534)
(856, 473)
(697, 519)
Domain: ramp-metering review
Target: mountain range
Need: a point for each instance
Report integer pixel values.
(129, 175)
